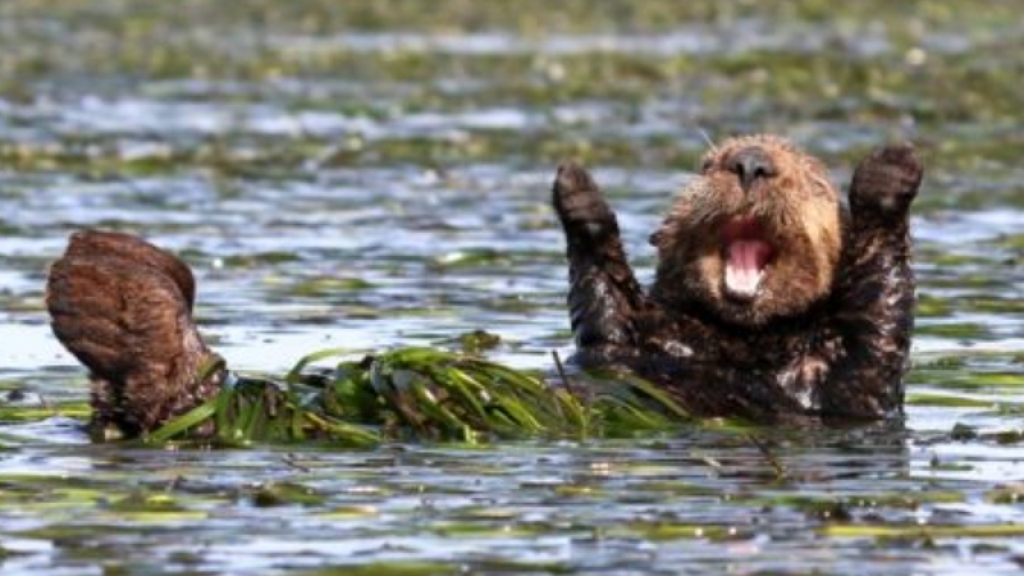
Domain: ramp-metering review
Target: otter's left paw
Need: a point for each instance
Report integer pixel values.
(584, 213)
(886, 182)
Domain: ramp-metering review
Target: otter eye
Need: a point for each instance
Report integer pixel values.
(705, 166)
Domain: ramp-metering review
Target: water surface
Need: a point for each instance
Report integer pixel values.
(374, 174)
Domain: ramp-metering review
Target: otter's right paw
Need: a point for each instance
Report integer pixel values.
(580, 206)
(887, 181)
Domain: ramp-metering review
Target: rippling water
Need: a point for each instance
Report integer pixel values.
(366, 174)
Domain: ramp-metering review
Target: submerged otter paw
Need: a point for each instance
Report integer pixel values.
(580, 206)
(887, 180)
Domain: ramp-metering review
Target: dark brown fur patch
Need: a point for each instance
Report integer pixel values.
(123, 308)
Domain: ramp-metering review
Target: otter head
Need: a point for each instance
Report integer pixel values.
(756, 237)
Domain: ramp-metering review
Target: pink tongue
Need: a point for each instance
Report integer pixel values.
(745, 266)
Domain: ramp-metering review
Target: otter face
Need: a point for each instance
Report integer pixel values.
(757, 236)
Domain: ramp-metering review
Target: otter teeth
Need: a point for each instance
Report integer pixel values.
(744, 268)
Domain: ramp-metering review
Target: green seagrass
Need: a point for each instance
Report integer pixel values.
(422, 394)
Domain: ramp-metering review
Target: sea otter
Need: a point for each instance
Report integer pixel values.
(773, 300)
(123, 307)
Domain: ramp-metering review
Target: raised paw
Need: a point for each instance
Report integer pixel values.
(887, 181)
(580, 206)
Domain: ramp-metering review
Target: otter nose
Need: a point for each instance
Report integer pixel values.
(749, 164)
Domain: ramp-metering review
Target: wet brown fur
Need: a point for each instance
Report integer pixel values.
(828, 333)
(124, 308)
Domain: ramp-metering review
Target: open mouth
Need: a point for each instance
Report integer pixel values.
(747, 253)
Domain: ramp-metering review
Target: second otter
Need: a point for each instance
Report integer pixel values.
(773, 300)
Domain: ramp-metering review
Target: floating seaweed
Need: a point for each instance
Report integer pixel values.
(422, 393)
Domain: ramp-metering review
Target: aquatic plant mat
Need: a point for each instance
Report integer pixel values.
(423, 394)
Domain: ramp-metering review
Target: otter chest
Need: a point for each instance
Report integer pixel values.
(797, 363)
